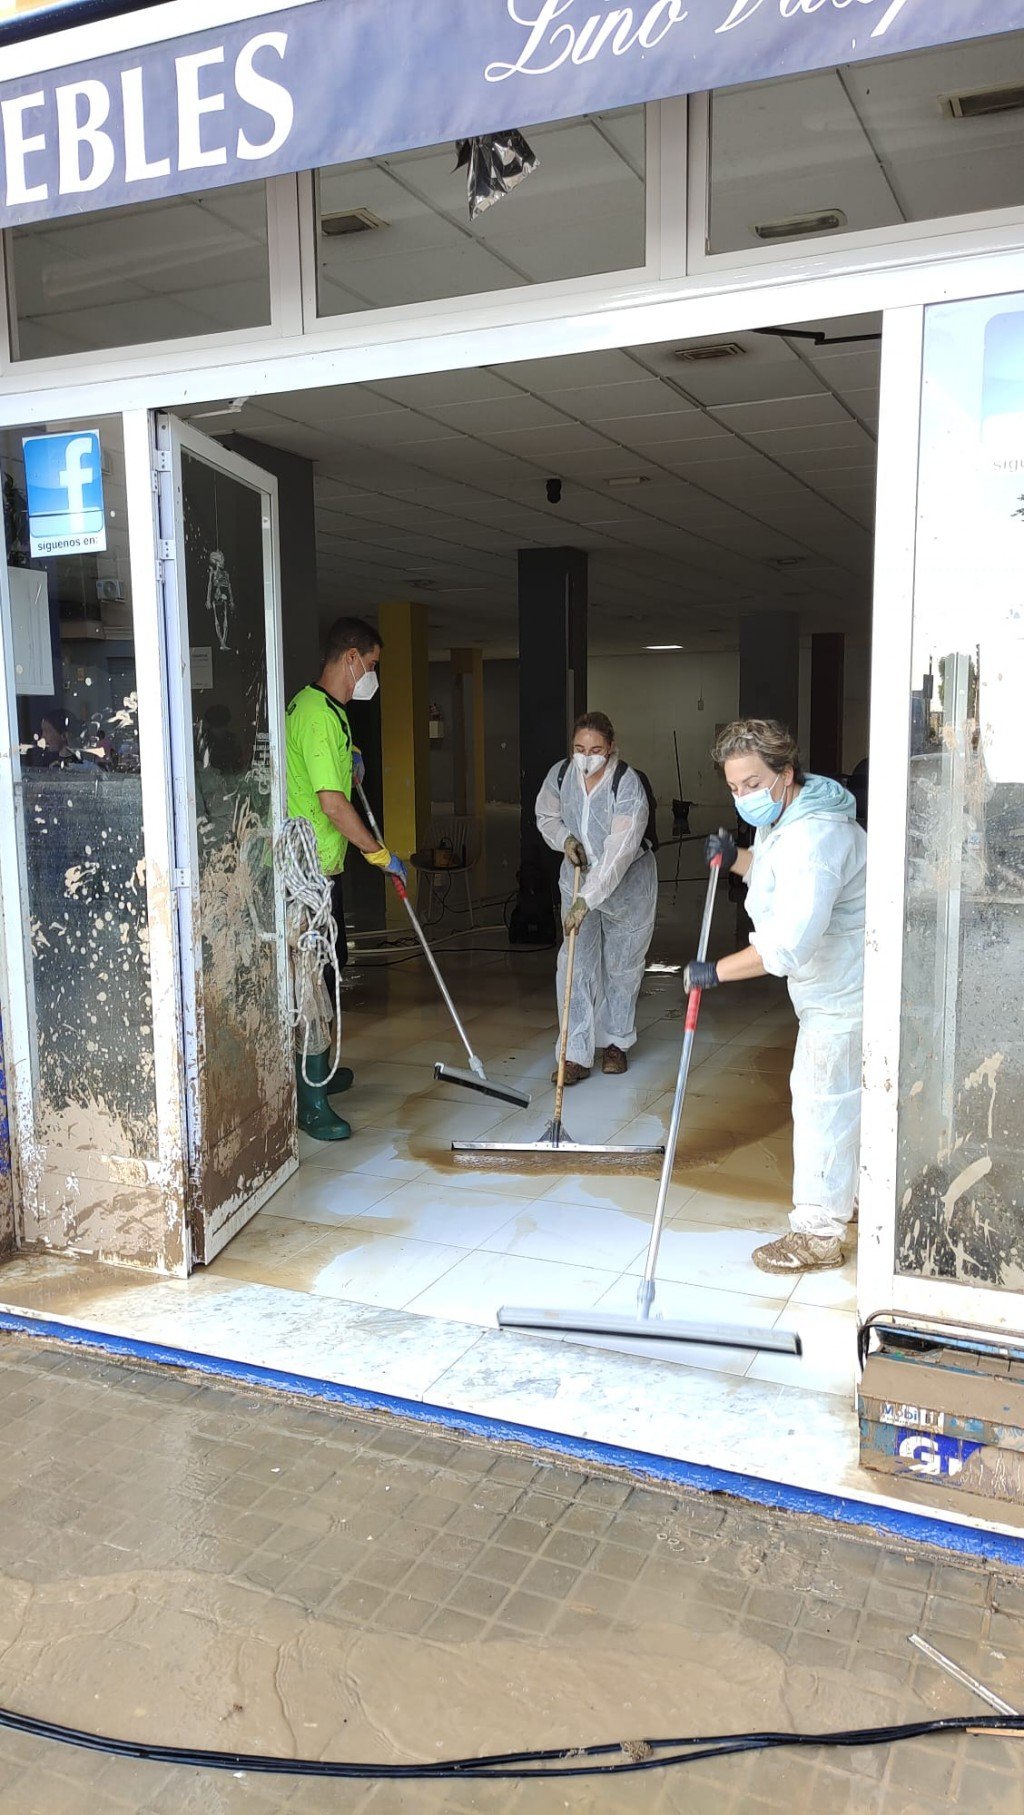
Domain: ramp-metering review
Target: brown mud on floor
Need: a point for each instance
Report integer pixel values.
(189, 1562)
(195, 1660)
(723, 1134)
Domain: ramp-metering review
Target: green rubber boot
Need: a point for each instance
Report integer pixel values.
(316, 1117)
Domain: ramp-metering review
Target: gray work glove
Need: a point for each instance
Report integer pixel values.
(576, 852)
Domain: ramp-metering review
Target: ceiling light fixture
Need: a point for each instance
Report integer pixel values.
(663, 646)
(350, 220)
(979, 103)
(799, 225)
(625, 481)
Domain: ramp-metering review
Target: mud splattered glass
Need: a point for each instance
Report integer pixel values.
(240, 1072)
(84, 872)
(960, 1213)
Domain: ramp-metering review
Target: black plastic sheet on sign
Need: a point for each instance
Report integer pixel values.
(493, 165)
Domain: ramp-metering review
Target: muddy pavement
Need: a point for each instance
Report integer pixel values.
(206, 1566)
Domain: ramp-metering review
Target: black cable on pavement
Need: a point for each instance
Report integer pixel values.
(582, 1761)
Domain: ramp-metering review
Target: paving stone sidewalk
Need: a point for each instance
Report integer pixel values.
(189, 1562)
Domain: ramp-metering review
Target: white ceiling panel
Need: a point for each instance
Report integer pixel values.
(443, 479)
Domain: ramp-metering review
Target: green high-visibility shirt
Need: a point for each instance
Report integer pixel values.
(318, 757)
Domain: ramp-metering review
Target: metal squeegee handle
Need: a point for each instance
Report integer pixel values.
(645, 1294)
(403, 895)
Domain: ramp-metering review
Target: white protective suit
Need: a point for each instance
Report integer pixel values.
(620, 887)
(805, 896)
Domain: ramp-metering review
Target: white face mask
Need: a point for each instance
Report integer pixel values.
(588, 765)
(367, 684)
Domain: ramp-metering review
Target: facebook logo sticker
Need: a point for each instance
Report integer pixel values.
(64, 482)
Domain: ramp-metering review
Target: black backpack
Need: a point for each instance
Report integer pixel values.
(651, 835)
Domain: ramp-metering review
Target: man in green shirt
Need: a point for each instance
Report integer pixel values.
(323, 765)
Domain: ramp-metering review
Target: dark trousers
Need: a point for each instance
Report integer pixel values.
(341, 944)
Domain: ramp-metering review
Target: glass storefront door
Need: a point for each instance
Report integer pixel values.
(956, 1238)
(219, 556)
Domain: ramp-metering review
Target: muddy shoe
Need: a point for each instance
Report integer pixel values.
(796, 1253)
(574, 1074)
(614, 1061)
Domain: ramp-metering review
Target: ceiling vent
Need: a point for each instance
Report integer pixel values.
(979, 103)
(352, 220)
(798, 226)
(781, 563)
(719, 349)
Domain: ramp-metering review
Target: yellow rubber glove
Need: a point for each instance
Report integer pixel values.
(384, 860)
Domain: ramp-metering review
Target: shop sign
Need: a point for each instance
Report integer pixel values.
(64, 485)
(347, 79)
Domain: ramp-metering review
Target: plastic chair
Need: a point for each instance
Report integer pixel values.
(449, 847)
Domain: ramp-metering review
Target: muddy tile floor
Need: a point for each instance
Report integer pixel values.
(199, 1564)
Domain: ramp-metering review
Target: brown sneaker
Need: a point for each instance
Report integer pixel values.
(798, 1253)
(574, 1074)
(614, 1061)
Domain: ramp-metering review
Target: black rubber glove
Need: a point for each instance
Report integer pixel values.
(700, 974)
(721, 844)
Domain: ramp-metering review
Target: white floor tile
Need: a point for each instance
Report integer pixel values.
(574, 1234)
(829, 1360)
(474, 1289)
(379, 1269)
(428, 1209)
(696, 1254)
(318, 1195)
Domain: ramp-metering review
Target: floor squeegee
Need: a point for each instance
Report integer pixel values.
(643, 1327)
(476, 1078)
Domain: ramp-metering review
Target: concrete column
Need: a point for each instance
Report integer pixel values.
(468, 732)
(404, 732)
(552, 688)
(770, 667)
(825, 743)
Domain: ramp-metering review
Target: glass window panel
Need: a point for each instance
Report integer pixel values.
(961, 1125)
(81, 792)
(194, 264)
(580, 212)
(874, 143)
(226, 589)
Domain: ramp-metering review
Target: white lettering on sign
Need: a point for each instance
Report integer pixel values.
(742, 10)
(75, 136)
(621, 29)
(18, 147)
(74, 128)
(268, 97)
(193, 106)
(137, 164)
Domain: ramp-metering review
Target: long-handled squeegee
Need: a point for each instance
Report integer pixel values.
(555, 1139)
(476, 1078)
(643, 1326)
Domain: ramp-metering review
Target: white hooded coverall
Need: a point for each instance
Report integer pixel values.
(620, 887)
(805, 896)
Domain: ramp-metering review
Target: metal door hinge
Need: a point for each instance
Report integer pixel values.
(161, 460)
(165, 549)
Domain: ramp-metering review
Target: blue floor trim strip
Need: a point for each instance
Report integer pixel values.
(907, 1527)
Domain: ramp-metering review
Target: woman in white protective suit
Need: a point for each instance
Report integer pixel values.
(593, 807)
(805, 895)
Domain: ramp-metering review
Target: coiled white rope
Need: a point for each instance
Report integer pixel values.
(312, 937)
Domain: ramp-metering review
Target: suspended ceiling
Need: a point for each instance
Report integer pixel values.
(756, 487)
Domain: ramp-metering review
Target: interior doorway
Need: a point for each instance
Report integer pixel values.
(717, 487)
